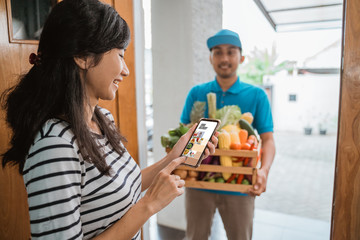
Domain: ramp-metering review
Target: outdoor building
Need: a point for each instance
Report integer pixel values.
(306, 94)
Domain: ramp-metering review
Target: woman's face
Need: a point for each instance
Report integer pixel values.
(101, 81)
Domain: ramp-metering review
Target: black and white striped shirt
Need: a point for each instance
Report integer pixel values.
(68, 197)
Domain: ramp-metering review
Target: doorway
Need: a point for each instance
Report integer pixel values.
(304, 163)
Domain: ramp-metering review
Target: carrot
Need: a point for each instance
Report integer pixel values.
(239, 159)
(235, 146)
(252, 139)
(233, 176)
(240, 178)
(243, 135)
(246, 161)
(245, 146)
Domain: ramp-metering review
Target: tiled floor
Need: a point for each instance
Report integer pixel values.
(278, 226)
(297, 203)
(267, 226)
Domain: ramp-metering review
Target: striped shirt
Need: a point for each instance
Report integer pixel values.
(68, 197)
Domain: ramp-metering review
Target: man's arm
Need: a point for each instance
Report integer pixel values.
(268, 150)
(267, 157)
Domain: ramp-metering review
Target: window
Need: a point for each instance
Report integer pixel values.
(26, 18)
(292, 97)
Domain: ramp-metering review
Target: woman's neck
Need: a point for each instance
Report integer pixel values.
(92, 125)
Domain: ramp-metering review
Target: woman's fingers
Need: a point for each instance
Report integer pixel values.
(181, 183)
(173, 164)
(178, 181)
(190, 131)
(214, 139)
(207, 153)
(211, 145)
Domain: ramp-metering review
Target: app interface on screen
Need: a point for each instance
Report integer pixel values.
(198, 142)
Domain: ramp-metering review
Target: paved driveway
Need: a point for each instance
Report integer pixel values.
(302, 176)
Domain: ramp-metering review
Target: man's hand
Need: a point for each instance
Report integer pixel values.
(260, 185)
(268, 154)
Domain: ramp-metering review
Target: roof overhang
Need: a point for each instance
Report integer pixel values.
(303, 15)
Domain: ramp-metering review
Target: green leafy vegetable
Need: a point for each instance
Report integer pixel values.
(174, 134)
(197, 111)
(228, 115)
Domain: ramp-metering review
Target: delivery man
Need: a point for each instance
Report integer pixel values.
(236, 209)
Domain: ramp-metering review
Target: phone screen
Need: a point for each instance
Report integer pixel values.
(198, 142)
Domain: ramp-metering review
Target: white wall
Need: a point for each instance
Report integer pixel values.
(317, 101)
(180, 60)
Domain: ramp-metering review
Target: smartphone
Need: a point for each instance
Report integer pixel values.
(195, 148)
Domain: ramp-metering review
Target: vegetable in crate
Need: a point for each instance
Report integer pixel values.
(181, 173)
(224, 140)
(235, 146)
(210, 175)
(224, 143)
(248, 117)
(207, 160)
(234, 137)
(243, 135)
(240, 179)
(197, 111)
(179, 131)
(231, 127)
(247, 126)
(228, 115)
(235, 141)
(230, 179)
(169, 141)
(211, 99)
(193, 173)
(173, 136)
(183, 129)
(245, 182)
(220, 180)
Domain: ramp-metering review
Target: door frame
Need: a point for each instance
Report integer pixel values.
(345, 222)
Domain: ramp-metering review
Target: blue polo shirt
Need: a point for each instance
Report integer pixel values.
(248, 97)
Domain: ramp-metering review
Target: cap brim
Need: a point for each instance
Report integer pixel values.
(224, 39)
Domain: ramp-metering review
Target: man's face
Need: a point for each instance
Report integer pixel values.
(225, 59)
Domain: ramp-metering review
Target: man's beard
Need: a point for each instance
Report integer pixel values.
(227, 73)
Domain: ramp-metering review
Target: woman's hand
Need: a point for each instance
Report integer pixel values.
(165, 187)
(180, 145)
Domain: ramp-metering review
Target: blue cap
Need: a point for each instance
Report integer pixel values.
(224, 37)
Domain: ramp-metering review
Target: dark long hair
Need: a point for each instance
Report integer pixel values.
(53, 88)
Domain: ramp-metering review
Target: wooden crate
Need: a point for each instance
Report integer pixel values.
(217, 168)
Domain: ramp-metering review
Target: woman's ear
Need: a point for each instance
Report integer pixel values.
(81, 62)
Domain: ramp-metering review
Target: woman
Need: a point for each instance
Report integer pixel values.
(81, 181)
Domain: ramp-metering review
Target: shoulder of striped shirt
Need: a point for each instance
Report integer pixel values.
(58, 148)
(56, 128)
(107, 113)
(59, 128)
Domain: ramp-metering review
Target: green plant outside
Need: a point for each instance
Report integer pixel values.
(260, 63)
